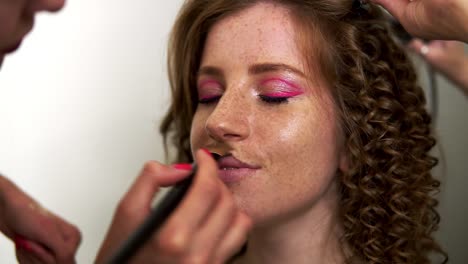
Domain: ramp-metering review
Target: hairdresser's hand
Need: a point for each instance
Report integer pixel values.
(39, 235)
(207, 227)
(447, 57)
(431, 19)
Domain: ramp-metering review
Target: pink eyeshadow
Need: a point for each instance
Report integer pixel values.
(283, 94)
(208, 89)
(208, 82)
(290, 89)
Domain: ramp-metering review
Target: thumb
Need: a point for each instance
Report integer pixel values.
(431, 52)
(419, 47)
(153, 176)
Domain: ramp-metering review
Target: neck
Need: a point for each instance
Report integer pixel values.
(311, 236)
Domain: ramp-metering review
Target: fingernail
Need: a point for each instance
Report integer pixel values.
(182, 166)
(207, 151)
(22, 243)
(424, 50)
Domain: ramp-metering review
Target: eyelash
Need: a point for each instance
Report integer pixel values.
(273, 100)
(264, 98)
(209, 100)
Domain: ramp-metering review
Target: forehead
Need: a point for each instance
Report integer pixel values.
(264, 32)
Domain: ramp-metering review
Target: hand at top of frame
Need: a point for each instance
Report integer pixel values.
(431, 19)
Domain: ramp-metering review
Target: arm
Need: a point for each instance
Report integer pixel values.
(38, 234)
(431, 19)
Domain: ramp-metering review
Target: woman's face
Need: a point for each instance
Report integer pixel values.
(17, 18)
(261, 107)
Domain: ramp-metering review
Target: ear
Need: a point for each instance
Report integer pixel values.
(344, 161)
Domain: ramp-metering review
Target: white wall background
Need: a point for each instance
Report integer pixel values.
(80, 105)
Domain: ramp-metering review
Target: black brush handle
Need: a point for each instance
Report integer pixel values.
(154, 221)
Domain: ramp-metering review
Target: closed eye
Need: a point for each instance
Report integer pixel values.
(273, 99)
(209, 100)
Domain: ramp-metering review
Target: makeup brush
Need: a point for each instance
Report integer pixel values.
(156, 219)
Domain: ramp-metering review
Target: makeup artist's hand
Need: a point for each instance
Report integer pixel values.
(431, 19)
(447, 57)
(39, 235)
(207, 227)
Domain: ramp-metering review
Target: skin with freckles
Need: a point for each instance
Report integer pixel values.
(293, 141)
(17, 19)
(258, 102)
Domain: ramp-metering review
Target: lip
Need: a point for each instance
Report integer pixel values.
(230, 161)
(233, 170)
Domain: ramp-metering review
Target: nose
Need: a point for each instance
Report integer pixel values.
(46, 5)
(229, 121)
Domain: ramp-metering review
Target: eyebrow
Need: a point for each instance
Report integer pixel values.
(253, 70)
(210, 70)
(273, 67)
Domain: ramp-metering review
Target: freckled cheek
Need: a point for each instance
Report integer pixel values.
(289, 130)
(280, 137)
(296, 134)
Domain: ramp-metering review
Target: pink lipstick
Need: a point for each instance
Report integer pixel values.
(233, 170)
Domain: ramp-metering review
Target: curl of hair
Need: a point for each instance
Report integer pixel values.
(388, 203)
(388, 207)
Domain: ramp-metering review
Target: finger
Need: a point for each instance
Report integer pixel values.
(32, 250)
(49, 235)
(152, 176)
(42, 254)
(205, 192)
(40, 225)
(215, 228)
(26, 258)
(395, 7)
(37, 227)
(71, 240)
(173, 174)
(202, 196)
(136, 204)
(430, 52)
(419, 47)
(234, 240)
